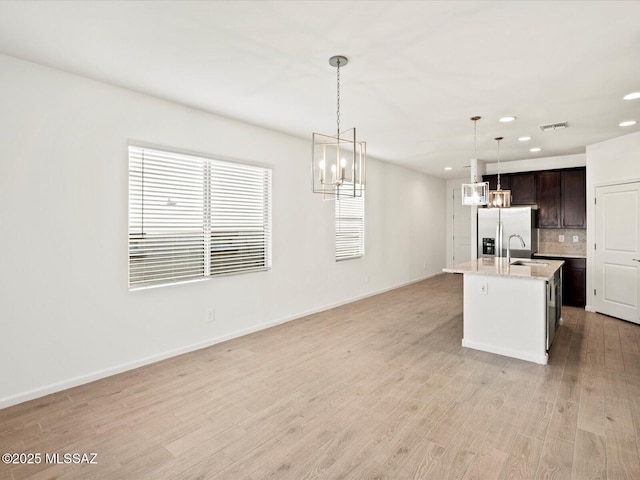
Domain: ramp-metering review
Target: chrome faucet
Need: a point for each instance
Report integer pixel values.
(509, 246)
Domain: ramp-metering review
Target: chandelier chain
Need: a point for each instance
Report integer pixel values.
(475, 151)
(499, 186)
(475, 146)
(338, 98)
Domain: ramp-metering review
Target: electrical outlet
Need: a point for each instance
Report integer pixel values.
(366, 279)
(575, 239)
(211, 316)
(561, 238)
(484, 288)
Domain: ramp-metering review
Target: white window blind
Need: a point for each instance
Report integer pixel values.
(192, 217)
(349, 227)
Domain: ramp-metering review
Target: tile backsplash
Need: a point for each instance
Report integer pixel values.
(549, 241)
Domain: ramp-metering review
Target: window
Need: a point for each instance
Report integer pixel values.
(193, 217)
(349, 227)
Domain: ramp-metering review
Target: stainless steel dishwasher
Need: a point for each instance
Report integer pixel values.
(554, 305)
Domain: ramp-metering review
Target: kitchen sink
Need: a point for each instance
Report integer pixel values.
(529, 263)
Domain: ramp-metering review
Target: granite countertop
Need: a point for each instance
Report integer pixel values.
(561, 255)
(498, 267)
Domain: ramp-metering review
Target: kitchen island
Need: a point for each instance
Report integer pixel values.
(511, 308)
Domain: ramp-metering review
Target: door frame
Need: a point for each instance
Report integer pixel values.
(451, 257)
(452, 184)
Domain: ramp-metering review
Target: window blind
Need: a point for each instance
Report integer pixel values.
(349, 227)
(192, 217)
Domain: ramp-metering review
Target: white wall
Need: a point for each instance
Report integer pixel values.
(610, 162)
(66, 315)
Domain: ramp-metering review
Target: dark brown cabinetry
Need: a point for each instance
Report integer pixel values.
(523, 188)
(575, 291)
(574, 199)
(574, 280)
(559, 194)
(548, 198)
(505, 181)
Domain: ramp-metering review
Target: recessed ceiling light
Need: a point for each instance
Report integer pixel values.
(627, 123)
(535, 149)
(508, 118)
(632, 96)
(524, 139)
(448, 168)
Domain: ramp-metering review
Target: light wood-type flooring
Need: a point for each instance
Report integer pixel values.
(377, 389)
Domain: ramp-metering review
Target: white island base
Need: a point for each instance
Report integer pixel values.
(506, 316)
(511, 308)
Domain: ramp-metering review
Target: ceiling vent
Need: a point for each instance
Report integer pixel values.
(554, 126)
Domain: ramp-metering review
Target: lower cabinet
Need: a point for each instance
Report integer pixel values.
(574, 280)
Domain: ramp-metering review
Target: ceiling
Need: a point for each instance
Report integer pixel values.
(418, 70)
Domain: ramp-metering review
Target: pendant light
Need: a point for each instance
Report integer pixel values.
(475, 193)
(499, 198)
(338, 163)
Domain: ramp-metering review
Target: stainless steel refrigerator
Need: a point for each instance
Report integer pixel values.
(495, 225)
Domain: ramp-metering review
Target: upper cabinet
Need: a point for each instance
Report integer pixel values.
(523, 189)
(549, 199)
(505, 181)
(574, 198)
(559, 194)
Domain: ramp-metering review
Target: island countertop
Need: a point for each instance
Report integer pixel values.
(537, 269)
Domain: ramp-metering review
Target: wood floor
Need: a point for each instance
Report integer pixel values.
(377, 389)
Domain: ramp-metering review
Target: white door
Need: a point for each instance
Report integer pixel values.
(461, 229)
(617, 255)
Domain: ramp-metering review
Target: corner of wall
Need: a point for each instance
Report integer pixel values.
(608, 163)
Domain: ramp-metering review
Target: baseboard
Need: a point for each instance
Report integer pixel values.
(107, 372)
(540, 359)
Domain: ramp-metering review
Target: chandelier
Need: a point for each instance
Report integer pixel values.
(475, 193)
(499, 198)
(338, 161)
